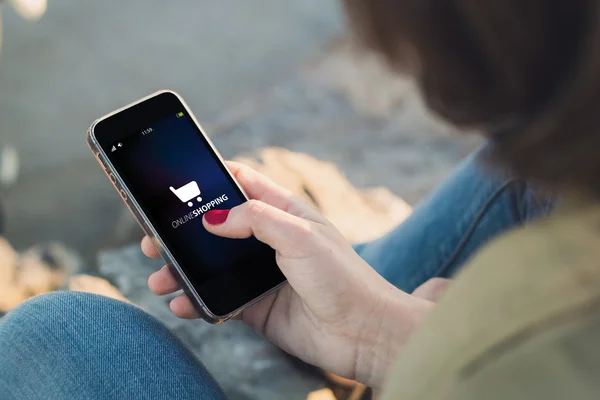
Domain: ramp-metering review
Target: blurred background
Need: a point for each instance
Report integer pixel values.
(258, 74)
(84, 59)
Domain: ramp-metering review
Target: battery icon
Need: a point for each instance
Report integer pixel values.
(179, 115)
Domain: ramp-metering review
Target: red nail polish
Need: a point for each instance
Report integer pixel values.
(216, 217)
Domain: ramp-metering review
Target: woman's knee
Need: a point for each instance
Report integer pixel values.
(61, 306)
(59, 317)
(56, 345)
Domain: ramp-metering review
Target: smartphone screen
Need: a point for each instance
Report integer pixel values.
(175, 177)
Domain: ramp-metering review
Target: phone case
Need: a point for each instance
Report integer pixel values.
(147, 227)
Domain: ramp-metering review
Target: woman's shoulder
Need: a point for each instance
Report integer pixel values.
(525, 284)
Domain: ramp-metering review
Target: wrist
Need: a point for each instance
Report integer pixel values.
(396, 318)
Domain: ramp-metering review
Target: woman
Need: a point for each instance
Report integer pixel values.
(520, 322)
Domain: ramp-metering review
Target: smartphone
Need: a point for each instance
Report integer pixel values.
(169, 174)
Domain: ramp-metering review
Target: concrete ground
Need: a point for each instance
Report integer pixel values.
(83, 59)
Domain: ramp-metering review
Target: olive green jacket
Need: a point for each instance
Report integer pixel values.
(522, 321)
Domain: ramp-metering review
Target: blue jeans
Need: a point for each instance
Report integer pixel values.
(466, 211)
(75, 345)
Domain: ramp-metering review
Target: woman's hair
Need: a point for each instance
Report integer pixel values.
(527, 72)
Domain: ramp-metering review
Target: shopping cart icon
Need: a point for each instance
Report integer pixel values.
(186, 193)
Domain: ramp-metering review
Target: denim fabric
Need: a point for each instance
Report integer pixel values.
(80, 346)
(450, 225)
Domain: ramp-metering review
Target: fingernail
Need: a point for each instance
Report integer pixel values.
(216, 217)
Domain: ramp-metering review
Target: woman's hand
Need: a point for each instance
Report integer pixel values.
(433, 289)
(337, 312)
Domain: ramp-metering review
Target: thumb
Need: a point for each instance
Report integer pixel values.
(289, 235)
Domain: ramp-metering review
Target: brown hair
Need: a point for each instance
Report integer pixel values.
(525, 71)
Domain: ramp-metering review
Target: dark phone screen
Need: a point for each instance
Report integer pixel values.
(176, 178)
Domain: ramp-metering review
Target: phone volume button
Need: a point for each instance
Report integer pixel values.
(99, 159)
(123, 194)
(112, 178)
